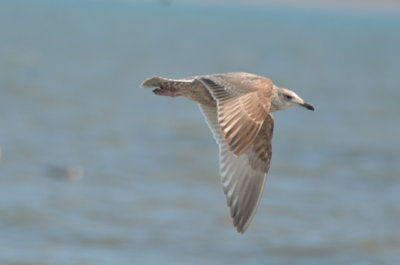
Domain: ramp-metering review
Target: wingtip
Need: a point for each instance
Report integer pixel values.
(241, 226)
(240, 231)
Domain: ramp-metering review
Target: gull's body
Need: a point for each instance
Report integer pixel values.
(237, 108)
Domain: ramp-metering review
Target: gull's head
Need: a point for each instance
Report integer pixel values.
(283, 98)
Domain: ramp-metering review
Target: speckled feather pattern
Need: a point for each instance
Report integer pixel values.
(236, 107)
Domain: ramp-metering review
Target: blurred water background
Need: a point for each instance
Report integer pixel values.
(95, 170)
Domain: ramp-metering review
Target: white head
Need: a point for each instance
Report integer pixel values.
(283, 98)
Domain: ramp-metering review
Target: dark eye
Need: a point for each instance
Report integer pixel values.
(288, 97)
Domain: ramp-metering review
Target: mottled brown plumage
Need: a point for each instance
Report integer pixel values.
(237, 108)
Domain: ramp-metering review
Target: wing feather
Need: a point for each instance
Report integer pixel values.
(242, 177)
(243, 102)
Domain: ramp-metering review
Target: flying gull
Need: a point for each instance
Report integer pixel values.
(238, 109)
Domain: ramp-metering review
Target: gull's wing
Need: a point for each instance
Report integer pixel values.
(243, 102)
(243, 176)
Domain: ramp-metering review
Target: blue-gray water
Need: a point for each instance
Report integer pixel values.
(150, 194)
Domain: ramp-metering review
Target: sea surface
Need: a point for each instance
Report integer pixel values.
(95, 170)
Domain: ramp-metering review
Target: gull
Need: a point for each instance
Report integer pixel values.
(238, 109)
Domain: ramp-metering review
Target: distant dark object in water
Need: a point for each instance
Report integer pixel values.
(69, 173)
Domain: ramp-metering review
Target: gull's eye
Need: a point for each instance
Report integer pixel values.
(288, 97)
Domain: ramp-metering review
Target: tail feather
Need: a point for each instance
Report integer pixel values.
(154, 81)
(166, 83)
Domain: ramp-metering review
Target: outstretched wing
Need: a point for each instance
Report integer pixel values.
(243, 177)
(243, 102)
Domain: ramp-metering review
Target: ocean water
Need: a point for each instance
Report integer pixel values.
(96, 170)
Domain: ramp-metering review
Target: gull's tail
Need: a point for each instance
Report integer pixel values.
(166, 86)
(155, 81)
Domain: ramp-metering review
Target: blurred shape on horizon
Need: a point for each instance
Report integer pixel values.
(354, 5)
(165, 2)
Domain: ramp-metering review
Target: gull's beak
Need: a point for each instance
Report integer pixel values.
(307, 106)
